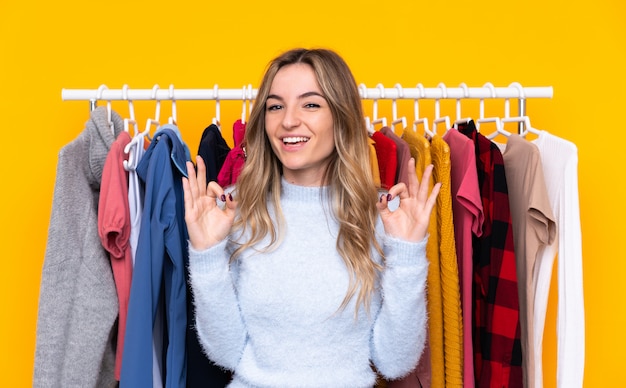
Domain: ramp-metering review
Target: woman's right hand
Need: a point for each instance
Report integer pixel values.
(207, 223)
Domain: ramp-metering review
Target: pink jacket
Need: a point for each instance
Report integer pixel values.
(235, 159)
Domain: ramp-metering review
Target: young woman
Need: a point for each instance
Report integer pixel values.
(303, 276)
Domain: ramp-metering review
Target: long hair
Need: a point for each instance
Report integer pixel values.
(352, 190)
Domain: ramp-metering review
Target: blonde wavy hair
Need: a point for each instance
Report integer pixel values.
(353, 194)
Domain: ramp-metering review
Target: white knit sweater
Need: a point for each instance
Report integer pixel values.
(274, 319)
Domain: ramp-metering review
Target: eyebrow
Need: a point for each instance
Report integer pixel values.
(304, 95)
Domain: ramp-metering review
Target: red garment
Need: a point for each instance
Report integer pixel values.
(114, 231)
(235, 159)
(467, 211)
(404, 154)
(386, 152)
(497, 343)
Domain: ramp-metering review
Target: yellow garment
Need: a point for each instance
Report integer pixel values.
(421, 151)
(452, 318)
(374, 163)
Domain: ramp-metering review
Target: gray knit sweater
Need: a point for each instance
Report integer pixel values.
(78, 301)
(273, 318)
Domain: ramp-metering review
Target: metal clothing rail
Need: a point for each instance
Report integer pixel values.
(488, 91)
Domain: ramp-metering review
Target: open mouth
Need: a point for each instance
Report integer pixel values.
(295, 140)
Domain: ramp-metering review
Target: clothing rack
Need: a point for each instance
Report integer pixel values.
(515, 90)
(247, 93)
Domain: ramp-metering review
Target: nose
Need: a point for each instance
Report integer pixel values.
(291, 118)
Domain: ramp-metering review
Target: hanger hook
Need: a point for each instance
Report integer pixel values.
(458, 100)
(421, 89)
(250, 98)
(444, 90)
(216, 119)
(489, 86)
(417, 120)
(131, 111)
(463, 86)
(102, 88)
(93, 103)
(522, 105)
(157, 111)
(381, 90)
(459, 118)
(172, 119)
(520, 89)
(131, 108)
(394, 104)
(243, 104)
(444, 94)
(363, 90)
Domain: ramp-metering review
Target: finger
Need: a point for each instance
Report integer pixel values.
(399, 189)
(214, 190)
(422, 193)
(432, 198)
(383, 203)
(193, 181)
(201, 174)
(413, 183)
(189, 189)
(231, 203)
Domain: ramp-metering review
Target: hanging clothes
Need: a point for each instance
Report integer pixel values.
(468, 217)
(114, 230)
(451, 296)
(403, 155)
(160, 265)
(496, 328)
(419, 148)
(78, 308)
(374, 163)
(534, 227)
(386, 154)
(135, 204)
(213, 149)
(236, 158)
(559, 158)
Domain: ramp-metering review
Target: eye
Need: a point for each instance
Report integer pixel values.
(274, 107)
(312, 105)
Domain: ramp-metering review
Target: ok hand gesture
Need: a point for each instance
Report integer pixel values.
(207, 223)
(410, 220)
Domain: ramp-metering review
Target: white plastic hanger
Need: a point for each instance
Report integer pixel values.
(250, 99)
(524, 127)
(375, 118)
(371, 124)
(216, 118)
(244, 100)
(444, 119)
(138, 139)
(101, 88)
(131, 111)
(496, 120)
(416, 115)
(395, 120)
(368, 123)
(458, 119)
(525, 120)
(172, 118)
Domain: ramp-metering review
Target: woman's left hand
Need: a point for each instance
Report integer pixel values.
(410, 220)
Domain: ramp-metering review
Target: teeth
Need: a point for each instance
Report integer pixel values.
(295, 139)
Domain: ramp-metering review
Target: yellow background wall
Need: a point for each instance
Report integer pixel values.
(579, 48)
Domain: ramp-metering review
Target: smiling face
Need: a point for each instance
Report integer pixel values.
(299, 125)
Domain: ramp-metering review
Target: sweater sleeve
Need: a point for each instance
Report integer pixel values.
(399, 332)
(219, 323)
